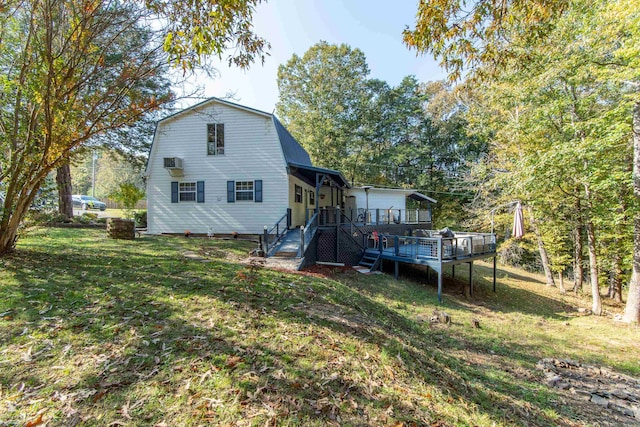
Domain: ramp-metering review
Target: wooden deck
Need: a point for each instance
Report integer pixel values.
(435, 251)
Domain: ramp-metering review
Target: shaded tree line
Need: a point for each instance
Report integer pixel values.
(554, 88)
(411, 135)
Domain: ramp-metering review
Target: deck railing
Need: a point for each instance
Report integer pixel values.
(462, 245)
(334, 215)
(272, 236)
(307, 233)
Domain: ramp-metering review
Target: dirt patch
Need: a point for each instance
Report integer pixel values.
(327, 271)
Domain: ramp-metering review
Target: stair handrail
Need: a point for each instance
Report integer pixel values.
(280, 230)
(307, 233)
(352, 225)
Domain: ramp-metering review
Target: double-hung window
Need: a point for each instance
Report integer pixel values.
(187, 192)
(244, 190)
(298, 194)
(215, 139)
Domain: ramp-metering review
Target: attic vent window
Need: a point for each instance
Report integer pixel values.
(215, 139)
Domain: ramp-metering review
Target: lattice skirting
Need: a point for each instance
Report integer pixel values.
(347, 250)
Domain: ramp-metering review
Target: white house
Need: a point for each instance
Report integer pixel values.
(222, 167)
(375, 204)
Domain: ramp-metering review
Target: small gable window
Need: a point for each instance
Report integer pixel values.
(215, 139)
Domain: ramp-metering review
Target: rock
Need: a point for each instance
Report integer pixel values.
(582, 394)
(628, 412)
(553, 380)
(620, 394)
(599, 400)
(563, 386)
(621, 406)
(444, 317)
(440, 317)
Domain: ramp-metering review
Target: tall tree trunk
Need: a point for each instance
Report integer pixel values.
(596, 306)
(18, 201)
(546, 265)
(632, 309)
(578, 268)
(63, 180)
(561, 283)
(615, 278)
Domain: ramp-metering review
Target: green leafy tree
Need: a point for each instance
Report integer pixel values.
(73, 71)
(558, 80)
(322, 97)
(411, 135)
(128, 194)
(114, 169)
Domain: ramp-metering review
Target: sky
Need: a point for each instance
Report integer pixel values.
(293, 26)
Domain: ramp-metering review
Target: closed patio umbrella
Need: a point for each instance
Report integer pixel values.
(518, 222)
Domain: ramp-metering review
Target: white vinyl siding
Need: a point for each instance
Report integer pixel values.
(252, 152)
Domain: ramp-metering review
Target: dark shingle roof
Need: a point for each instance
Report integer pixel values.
(292, 150)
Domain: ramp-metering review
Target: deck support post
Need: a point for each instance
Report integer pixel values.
(428, 274)
(471, 278)
(453, 272)
(265, 241)
(397, 270)
(494, 274)
(440, 286)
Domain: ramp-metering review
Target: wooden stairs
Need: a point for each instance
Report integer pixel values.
(369, 263)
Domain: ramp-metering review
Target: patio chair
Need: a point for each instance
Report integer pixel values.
(376, 240)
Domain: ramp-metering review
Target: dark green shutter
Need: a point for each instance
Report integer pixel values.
(174, 192)
(258, 189)
(231, 191)
(200, 191)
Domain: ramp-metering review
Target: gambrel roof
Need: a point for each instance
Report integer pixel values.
(296, 157)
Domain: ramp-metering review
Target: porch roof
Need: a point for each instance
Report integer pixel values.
(421, 197)
(309, 173)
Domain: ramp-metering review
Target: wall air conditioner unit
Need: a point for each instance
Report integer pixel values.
(174, 166)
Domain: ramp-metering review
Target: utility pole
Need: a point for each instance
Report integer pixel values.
(93, 179)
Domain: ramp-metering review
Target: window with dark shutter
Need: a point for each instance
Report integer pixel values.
(187, 192)
(244, 190)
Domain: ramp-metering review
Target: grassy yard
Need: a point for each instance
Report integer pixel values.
(134, 333)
